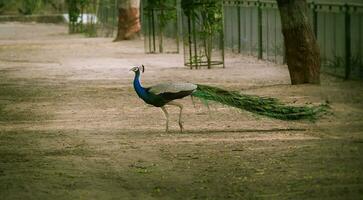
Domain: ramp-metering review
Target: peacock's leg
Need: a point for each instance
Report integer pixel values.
(192, 100)
(167, 118)
(180, 114)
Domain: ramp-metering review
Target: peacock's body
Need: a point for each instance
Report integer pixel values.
(164, 94)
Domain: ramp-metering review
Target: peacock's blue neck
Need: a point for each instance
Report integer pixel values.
(141, 92)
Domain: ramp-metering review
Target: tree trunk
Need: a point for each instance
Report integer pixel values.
(302, 50)
(128, 20)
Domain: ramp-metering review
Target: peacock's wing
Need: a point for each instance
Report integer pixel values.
(171, 91)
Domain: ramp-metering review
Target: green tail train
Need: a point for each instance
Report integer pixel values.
(261, 105)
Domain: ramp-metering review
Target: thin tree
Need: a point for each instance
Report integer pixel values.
(128, 20)
(302, 50)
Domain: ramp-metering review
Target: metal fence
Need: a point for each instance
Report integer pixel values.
(253, 27)
(107, 14)
(95, 18)
(160, 26)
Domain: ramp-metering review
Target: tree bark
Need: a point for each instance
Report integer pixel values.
(301, 47)
(128, 20)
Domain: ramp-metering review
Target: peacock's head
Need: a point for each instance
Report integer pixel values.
(138, 69)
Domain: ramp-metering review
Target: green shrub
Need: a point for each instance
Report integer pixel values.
(28, 7)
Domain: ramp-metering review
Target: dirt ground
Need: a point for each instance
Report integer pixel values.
(71, 127)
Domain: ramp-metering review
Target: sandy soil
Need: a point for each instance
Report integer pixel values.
(71, 127)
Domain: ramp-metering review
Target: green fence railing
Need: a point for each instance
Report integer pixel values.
(253, 27)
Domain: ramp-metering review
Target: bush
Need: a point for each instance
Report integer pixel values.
(28, 7)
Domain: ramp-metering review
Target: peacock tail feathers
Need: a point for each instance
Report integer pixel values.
(270, 107)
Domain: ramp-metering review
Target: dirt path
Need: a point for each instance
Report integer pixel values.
(71, 127)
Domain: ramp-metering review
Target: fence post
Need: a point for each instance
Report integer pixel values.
(260, 50)
(239, 28)
(315, 19)
(177, 26)
(222, 35)
(347, 42)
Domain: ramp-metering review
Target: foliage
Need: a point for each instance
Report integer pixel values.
(2, 5)
(210, 18)
(28, 7)
(263, 106)
(107, 16)
(160, 4)
(166, 8)
(160, 21)
(55, 4)
(207, 16)
(168, 11)
(100, 16)
(73, 11)
(76, 10)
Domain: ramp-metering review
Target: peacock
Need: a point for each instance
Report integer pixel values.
(164, 94)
